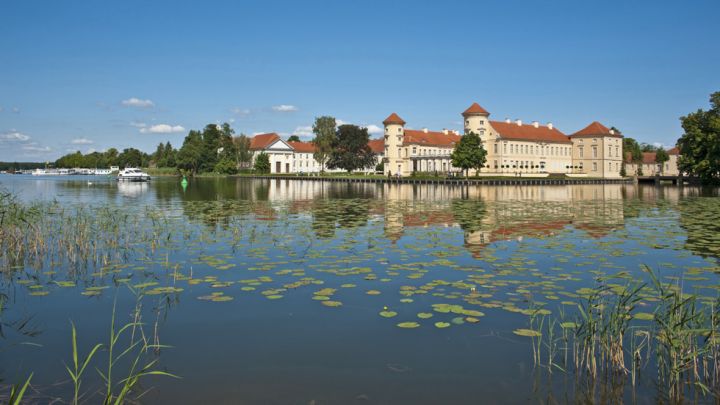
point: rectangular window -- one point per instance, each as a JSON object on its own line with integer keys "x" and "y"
{"x": 594, "y": 151}
{"x": 495, "y": 149}
{"x": 594, "y": 166}
{"x": 504, "y": 148}
{"x": 580, "y": 151}
{"x": 609, "y": 151}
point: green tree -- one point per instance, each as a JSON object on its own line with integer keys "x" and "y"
{"x": 700, "y": 144}
{"x": 350, "y": 150}
{"x": 191, "y": 153}
{"x": 226, "y": 165}
{"x": 242, "y": 145}
{"x": 170, "y": 154}
{"x": 262, "y": 163}
{"x": 468, "y": 153}
{"x": 632, "y": 146}
{"x": 661, "y": 156}
{"x": 293, "y": 138}
{"x": 131, "y": 157}
{"x": 159, "y": 156}
{"x": 324, "y": 130}
{"x": 646, "y": 147}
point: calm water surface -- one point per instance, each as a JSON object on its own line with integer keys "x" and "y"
{"x": 270, "y": 246}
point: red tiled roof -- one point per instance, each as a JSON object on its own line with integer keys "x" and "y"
{"x": 430, "y": 138}
{"x": 475, "y": 109}
{"x": 302, "y": 147}
{"x": 596, "y": 129}
{"x": 377, "y": 145}
{"x": 394, "y": 119}
{"x": 262, "y": 141}
{"x": 648, "y": 157}
{"x": 529, "y": 132}
{"x": 674, "y": 151}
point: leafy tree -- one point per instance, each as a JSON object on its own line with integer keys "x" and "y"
{"x": 468, "y": 153}
{"x": 159, "y": 156}
{"x": 131, "y": 157}
{"x": 700, "y": 144}
{"x": 324, "y": 130}
{"x": 661, "y": 156}
{"x": 623, "y": 173}
{"x": 350, "y": 150}
{"x": 242, "y": 146}
{"x": 191, "y": 153}
{"x": 226, "y": 165}
{"x": 169, "y": 157}
{"x": 646, "y": 147}
{"x": 632, "y": 146}
{"x": 262, "y": 163}
{"x": 293, "y": 138}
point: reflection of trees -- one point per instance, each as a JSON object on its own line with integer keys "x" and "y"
{"x": 469, "y": 214}
{"x": 700, "y": 218}
{"x": 327, "y": 214}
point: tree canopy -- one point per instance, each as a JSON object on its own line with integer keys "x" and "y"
{"x": 350, "y": 150}
{"x": 632, "y": 146}
{"x": 293, "y": 138}
{"x": 324, "y": 130}
{"x": 262, "y": 163}
{"x": 468, "y": 153}
{"x": 700, "y": 144}
{"x": 661, "y": 156}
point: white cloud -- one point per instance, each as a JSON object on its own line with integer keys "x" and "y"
{"x": 284, "y": 108}
{"x": 374, "y": 129}
{"x": 14, "y": 136}
{"x": 37, "y": 149}
{"x": 240, "y": 111}
{"x": 82, "y": 141}
{"x": 137, "y": 124}
{"x": 138, "y": 103}
{"x": 162, "y": 129}
{"x": 304, "y": 131}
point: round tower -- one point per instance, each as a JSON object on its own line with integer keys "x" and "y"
{"x": 394, "y": 135}
{"x": 476, "y": 120}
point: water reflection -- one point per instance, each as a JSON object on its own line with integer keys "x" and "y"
{"x": 132, "y": 189}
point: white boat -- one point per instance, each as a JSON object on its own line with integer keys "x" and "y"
{"x": 132, "y": 174}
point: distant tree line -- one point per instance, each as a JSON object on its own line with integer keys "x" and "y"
{"x": 17, "y": 166}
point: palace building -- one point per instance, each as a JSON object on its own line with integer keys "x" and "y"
{"x": 513, "y": 148}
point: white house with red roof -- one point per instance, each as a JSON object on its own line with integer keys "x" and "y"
{"x": 280, "y": 153}
{"x": 297, "y": 157}
{"x": 513, "y": 148}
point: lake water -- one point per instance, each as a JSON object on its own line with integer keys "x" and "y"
{"x": 278, "y": 251}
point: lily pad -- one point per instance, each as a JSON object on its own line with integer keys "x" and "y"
{"x": 527, "y": 332}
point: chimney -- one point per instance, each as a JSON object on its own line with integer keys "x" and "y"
{"x": 519, "y": 122}
{"x": 550, "y": 125}
{"x": 425, "y": 130}
{"x": 507, "y": 120}
{"x": 612, "y": 132}
{"x": 536, "y": 124}
{"x": 445, "y": 131}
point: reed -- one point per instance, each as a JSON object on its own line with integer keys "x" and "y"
{"x": 606, "y": 348}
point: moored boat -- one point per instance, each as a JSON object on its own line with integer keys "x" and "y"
{"x": 132, "y": 174}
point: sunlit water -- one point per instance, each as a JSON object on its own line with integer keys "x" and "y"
{"x": 269, "y": 245}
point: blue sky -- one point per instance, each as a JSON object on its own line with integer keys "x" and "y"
{"x": 89, "y": 75}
